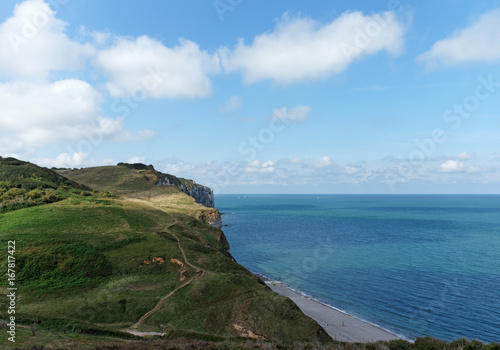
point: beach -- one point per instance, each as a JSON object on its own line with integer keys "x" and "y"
{"x": 339, "y": 325}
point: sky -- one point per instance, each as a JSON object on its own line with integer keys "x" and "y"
{"x": 393, "y": 96}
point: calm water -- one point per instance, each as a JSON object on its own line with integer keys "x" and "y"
{"x": 417, "y": 265}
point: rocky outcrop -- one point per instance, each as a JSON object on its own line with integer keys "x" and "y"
{"x": 212, "y": 218}
{"x": 201, "y": 194}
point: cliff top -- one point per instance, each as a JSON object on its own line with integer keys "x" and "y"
{"x": 141, "y": 261}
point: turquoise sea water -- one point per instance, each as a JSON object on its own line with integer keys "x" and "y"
{"x": 418, "y": 265}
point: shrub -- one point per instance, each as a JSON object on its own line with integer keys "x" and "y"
{"x": 50, "y": 197}
{"x": 13, "y": 193}
{"x": 474, "y": 345}
{"x": 35, "y": 194}
{"x": 429, "y": 343}
{"x": 399, "y": 344}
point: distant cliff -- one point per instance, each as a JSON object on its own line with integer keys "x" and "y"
{"x": 201, "y": 194}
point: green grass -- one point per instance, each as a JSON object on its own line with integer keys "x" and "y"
{"x": 24, "y": 185}
{"x": 90, "y": 264}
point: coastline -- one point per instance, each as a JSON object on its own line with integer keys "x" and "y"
{"x": 339, "y": 325}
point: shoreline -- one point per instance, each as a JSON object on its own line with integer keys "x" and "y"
{"x": 339, "y": 325}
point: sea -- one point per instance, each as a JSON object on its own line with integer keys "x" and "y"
{"x": 417, "y": 265}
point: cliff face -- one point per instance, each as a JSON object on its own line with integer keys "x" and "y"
{"x": 201, "y": 194}
{"x": 212, "y": 218}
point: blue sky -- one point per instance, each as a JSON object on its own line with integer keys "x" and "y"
{"x": 259, "y": 97}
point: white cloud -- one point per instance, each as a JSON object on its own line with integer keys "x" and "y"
{"x": 231, "y": 105}
{"x": 146, "y": 68}
{"x": 179, "y": 168}
{"x": 99, "y": 38}
{"x": 137, "y": 159}
{"x": 318, "y": 163}
{"x": 352, "y": 170}
{"x": 65, "y": 160}
{"x": 451, "y": 166}
{"x": 299, "y": 113}
{"x": 466, "y": 155}
{"x": 33, "y": 43}
{"x": 322, "y": 162}
{"x": 74, "y": 160}
{"x": 257, "y": 167}
{"x": 37, "y": 114}
{"x": 301, "y": 49}
{"x": 475, "y": 43}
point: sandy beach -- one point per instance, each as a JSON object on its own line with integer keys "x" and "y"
{"x": 339, "y": 325}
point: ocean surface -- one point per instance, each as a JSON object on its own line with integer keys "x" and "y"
{"x": 417, "y": 265}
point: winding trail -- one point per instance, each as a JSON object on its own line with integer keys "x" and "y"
{"x": 199, "y": 273}
{"x": 184, "y": 254}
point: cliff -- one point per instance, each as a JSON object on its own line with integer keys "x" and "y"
{"x": 139, "y": 177}
{"x": 212, "y": 218}
{"x": 139, "y": 260}
{"x": 201, "y": 194}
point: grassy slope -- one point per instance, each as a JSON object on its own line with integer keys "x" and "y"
{"x": 86, "y": 263}
{"x": 23, "y": 184}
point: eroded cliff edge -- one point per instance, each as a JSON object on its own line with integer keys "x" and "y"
{"x": 201, "y": 194}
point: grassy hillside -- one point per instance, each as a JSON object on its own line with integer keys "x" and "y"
{"x": 123, "y": 178}
{"x": 23, "y": 184}
{"x": 138, "y": 262}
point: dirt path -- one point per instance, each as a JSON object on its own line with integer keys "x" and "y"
{"x": 184, "y": 254}
{"x": 162, "y": 300}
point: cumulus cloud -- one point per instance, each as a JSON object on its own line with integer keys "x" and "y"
{"x": 298, "y": 113}
{"x": 466, "y": 155}
{"x": 352, "y": 170}
{"x": 33, "y": 43}
{"x": 137, "y": 159}
{"x": 476, "y": 43}
{"x": 64, "y": 160}
{"x": 99, "y": 38}
{"x": 320, "y": 162}
{"x": 37, "y": 114}
{"x": 451, "y": 166}
{"x": 231, "y": 105}
{"x": 301, "y": 49}
{"x": 257, "y": 167}
{"x": 145, "y": 68}
{"x": 72, "y": 160}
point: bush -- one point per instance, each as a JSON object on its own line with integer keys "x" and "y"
{"x": 474, "y": 345}
{"x": 49, "y": 197}
{"x": 428, "y": 343}
{"x": 399, "y": 344}
{"x": 107, "y": 194}
{"x": 35, "y": 194}
{"x": 13, "y": 193}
